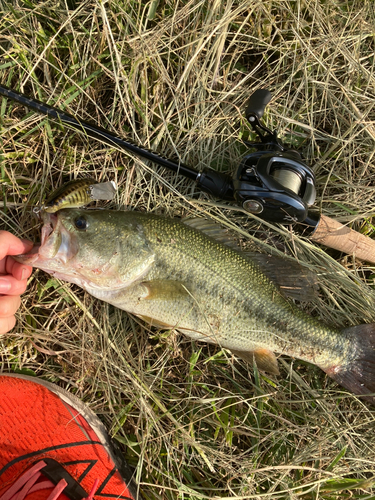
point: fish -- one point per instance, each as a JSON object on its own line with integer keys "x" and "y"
{"x": 78, "y": 193}
{"x": 174, "y": 276}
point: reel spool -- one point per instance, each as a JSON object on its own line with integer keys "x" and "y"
{"x": 288, "y": 178}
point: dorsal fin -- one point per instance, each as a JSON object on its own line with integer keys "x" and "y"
{"x": 293, "y": 280}
{"x": 213, "y": 230}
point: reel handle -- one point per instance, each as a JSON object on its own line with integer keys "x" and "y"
{"x": 333, "y": 234}
{"x": 257, "y": 103}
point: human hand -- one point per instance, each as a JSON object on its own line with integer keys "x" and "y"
{"x": 13, "y": 278}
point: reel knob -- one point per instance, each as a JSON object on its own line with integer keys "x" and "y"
{"x": 257, "y": 104}
{"x": 253, "y": 206}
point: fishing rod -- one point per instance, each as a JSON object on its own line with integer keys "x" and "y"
{"x": 272, "y": 182}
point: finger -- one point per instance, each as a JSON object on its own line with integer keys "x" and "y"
{"x": 18, "y": 270}
{"x": 9, "y": 305}
{"x": 6, "y": 324}
{"x": 11, "y": 245}
{"x": 12, "y": 286}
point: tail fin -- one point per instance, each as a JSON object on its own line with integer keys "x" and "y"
{"x": 358, "y": 375}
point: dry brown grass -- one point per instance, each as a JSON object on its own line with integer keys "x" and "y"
{"x": 175, "y": 77}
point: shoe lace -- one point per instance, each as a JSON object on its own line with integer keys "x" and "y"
{"x": 27, "y": 484}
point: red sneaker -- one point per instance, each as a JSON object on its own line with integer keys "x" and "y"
{"x": 53, "y": 446}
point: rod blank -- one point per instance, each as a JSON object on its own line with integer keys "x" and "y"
{"x": 98, "y": 133}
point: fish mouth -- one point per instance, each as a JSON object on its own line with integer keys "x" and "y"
{"x": 49, "y": 225}
{"x": 56, "y": 244}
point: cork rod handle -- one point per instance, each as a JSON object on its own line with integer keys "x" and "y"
{"x": 333, "y": 234}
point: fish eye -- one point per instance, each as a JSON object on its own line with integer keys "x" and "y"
{"x": 81, "y": 223}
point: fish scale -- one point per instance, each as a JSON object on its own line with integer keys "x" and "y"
{"x": 175, "y": 276}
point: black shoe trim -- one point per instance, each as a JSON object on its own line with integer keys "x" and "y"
{"x": 90, "y": 465}
{"x": 45, "y": 450}
{"x": 55, "y": 472}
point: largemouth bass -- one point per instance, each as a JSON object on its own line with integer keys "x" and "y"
{"x": 175, "y": 276}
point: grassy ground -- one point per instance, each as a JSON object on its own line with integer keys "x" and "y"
{"x": 194, "y": 422}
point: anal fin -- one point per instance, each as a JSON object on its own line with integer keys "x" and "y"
{"x": 264, "y": 358}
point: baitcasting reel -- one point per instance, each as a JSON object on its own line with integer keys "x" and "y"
{"x": 273, "y": 182}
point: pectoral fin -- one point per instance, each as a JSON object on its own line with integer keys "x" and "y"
{"x": 161, "y": 303}
{"x": 265, "y": 359}
{"x": 165, "y": 290}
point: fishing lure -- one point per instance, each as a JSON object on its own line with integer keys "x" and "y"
{"x": 78, "y": 193}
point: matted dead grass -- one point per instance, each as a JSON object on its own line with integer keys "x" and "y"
{"x": 194, "y": 422}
